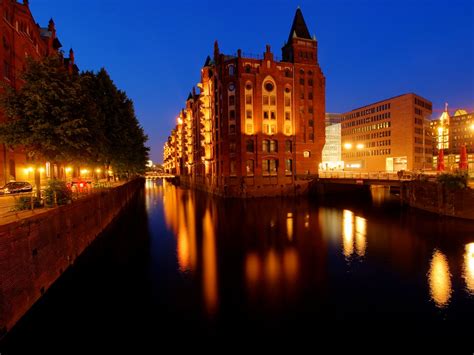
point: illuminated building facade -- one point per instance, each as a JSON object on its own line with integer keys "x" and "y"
{"x": 451, "y": 133}
{"x": 257, "y": 125}
{"x": 389, "y": 135}
{"x": 22, "y": 38}
{"x": 332, "y": 151}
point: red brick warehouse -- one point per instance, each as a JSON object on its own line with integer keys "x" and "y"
{"x": 257, "y": 126}
{"x": 23, "y": 38}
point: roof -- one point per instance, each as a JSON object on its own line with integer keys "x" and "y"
{"x": 299, "y": 28}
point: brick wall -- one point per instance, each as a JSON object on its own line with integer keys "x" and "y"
{"x": 35, "y": 251}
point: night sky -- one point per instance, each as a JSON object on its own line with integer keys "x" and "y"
{"x": 369, "y": 50}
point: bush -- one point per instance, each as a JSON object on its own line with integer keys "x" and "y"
{"x": 454, "y": 181}
{"x": 63, "y": 193}
{"x": 24, "y": 203}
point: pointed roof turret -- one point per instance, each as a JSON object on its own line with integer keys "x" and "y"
{"x": 299, "y": 28}
{"x": 207, "y": 62}
{"x": 190, "y": 97}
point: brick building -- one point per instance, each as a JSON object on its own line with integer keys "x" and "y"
{"x": 257, "y": 125}
{"x": 23, "y": 38}
{"x": 388, "y": 135}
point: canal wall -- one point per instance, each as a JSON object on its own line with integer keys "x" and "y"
{"x": 436, "y": 198}
{"x": 35, "y": 251}
{"x": 249, "y": 187}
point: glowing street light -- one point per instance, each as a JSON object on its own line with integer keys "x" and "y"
{"x": 347, "y": 146}
{"x": 360, "y": 146}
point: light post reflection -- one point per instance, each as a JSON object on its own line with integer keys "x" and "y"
{"x": 347, "y": 233}
{"x": 439, "y": 278}
{"x": 209, "y": 265}
{"x": 361, "y": 233}
{"x": 468, "y": 269}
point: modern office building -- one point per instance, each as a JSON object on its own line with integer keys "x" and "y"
{"x": 332, "y": 151}
{"x": 389, "y": 135}
{"x": 257, "y": 125}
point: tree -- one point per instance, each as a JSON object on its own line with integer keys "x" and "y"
{"x": 47, "y": 116}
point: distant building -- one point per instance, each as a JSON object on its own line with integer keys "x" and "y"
{"x": 451, "y": 133}
{"x": 257, "y": 126}
{"x": 23, "y": 38}
{"x": 388, "y": 135}
{"x": 332, "y": 151}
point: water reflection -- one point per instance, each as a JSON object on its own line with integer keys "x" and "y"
{"x": 274, "y": 252}
{"x": 210, "y": 265}
{"x": 439, "y": 278}
{"x": 468, "y": 270}
{"x": 350, "y": 222}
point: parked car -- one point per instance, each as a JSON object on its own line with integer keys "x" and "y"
{"x": 16, "y": 187}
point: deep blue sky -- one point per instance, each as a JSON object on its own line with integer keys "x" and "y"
{"x": 368, "y": 49}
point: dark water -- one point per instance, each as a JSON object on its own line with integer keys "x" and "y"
{"x": 180, "y": 265}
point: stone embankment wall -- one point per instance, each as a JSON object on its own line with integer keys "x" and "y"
{"x": 436, "y": 198}
{"x": 35, "y": 251}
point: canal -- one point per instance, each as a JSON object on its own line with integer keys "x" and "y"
{"x": 180, "y": 263}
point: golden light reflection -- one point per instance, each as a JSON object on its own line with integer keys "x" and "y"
{"x": 290, "y": 264}
{"x": 439, "y": 279}
{"x": 468, "y": 269}
{"x": 209, "y": 265}
{"x": 272, "y": 268}
{"x": 289, "y": 226}
{"x": 347, "y": 233}
{"x": 252, "y": 269}
{"x": 361, "y": 233}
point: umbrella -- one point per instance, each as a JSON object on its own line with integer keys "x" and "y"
{"x": 441, "y": 160}
{"x": 463, "y": 158}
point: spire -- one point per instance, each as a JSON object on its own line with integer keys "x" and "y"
{"x": 51, "y": 25}
{"x": 71, "y": 56}
{"x": 216, "y": 50}
{"x": 299, "y": 28}
{"x": 207, "y": 62}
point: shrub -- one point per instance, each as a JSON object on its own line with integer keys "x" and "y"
{"x": 24, "y": 203}
{"x": 63, "y": 193}
{"x": 453, "y": 181}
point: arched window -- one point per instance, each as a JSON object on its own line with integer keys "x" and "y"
{"x": 287, "y": 73}
{"x": 265, "y": 145}
{"x": 247, "y": 68}
{"x": 231, "y": 70}
{"x": 288, "y": 146}
{"x": 273, "y": 146}
{"x": 269, "y": 106}
{"x": 250, "y": 146}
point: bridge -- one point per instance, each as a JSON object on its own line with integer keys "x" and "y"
{"x": 151, "y": 175}
{"x": 371, "y": 178}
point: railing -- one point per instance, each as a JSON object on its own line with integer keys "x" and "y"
{"x": 379, "y": 175}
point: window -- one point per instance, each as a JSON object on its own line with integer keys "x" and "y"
{"x": 231, "y": 100}
{"x": 269, "y": 86}
{"x": 232, "y": 147}
{"x": 232, "y": 115}
{"x": 287, "y": 101}
{"x": 311, "y": 136}
{"x": 288, "y": 166}
{"x": 273, "y": 115}
{"x": 250, "y": 146}
{"x": 247, "y": 68}
{"x": 287, "y": 73}
{"x": 310, "y": 82}
{"x": 265, "y": 145}
{"x": 231, "y": 87}
{"x": 311, "y": 123}
{"x": 232, "y": 129}
{"x": 273, "y": 146}
{"x": 269, "y": 167}
{"x": 288, "y": 146}
{"x": 302, "y": 95}
{"x": 232, "y": 167}
{"x": 249, "y": 114}
{"x": 250, "y": 167}
{"x": 231, "y": 70}
{"x": 265, "y": 115}
{"x": 287, "y": 116}
{"x": 301, "y": 81}
{"x": 248, "y": 99}
{"x": 265, "y": 100}
{"x": 7, "y": 70}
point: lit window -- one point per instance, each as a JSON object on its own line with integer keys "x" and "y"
{"x": 250, "y": 167}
